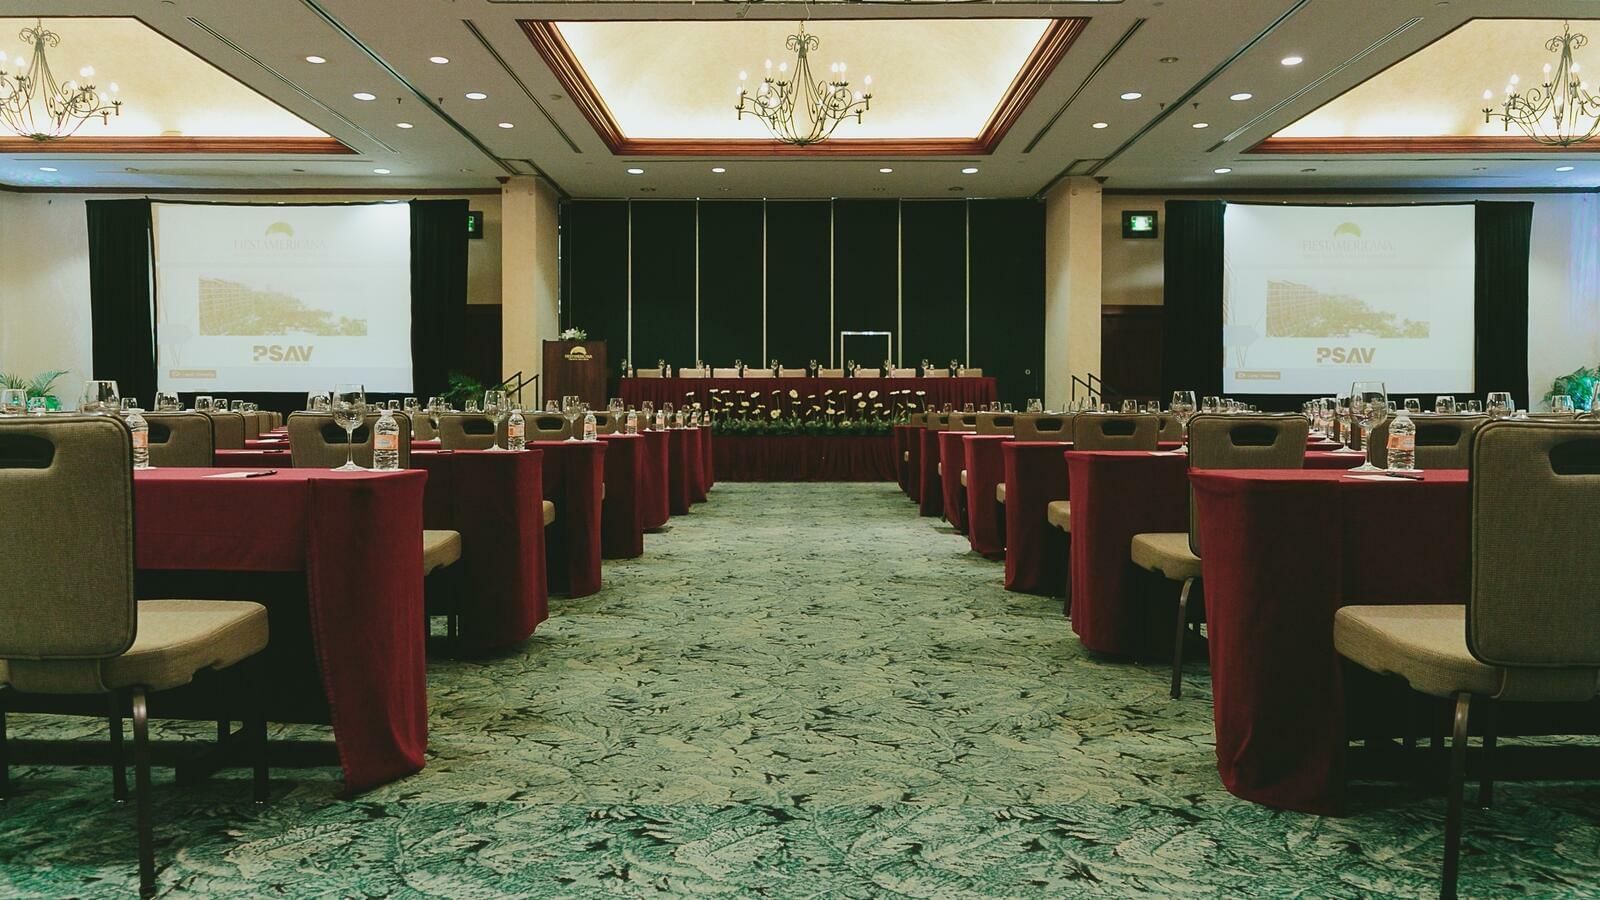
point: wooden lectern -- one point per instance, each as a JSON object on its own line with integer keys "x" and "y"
{"x": 576, "y": 367}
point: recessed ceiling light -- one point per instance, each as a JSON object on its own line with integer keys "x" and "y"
{"x": 1308, "y": 170}
{"x": 438, "y": 60}
{"x": 718, "y": 170}
{"x": 1131, "y": 95}
{"x": 1242, "y": 95}
{"x": 507, "y": 125}
{"x": 47, "y": 168}
{"x": 1169, "y": 59}
{"x": 970, "y": 170}
{"x": 1558, "y": 168}
{"x": 635, "y": 171}
{"x": 477, "y": 95}
{"x": 1222, "y": 171}
{"x": 1100, "y": 125}
{"x": 363, "y": 95}
{"x": 885, "y": 170}
{"x": 403, "y": 125}
{"x": 1201, "y": 125}
{"x": 380, "y": 171}
{"x": 1292, "y": 60}
{"x": 315, "y": 60}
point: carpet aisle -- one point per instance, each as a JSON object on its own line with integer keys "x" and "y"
{"x": 799, "y": 691}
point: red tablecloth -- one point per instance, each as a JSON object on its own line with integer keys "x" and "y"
{"x": 804, "y": 458}
{"x": 622, "y": 514}
{"x": 254, "y": 458}
{"x": 357, "y": 536}
{"x": 930, "y": 491}
{"x": 495, "y": 500}
{"x": 681, "y": 457}
{"x": 696, "y": 458}
{"x": 266, "y": 443}
{"x": 656, "y": 489}
{"x": 1036, "y": 552}
{"x": 952, "y": 457}
{"x": 574, "y": 474}
{"x": 902, "y": 444}
{"x": 1283, "y": 551}
{"x": 937, "y": 391}
{"x": 986, "y": 468}
{"x": 708, "y": 469}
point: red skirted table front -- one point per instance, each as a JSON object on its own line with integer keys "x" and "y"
{"x": 952, "y": 457}
{"x": 1036, "y": 551}
{"x": 1283, "y": 551}
{"x": 682, "y": 460}
{"x": 357, "y": 537}
{"x": 622, "y": 514}
{"x": 708, "y": 478}
{"x": 804, "y": 457}
{"x": 496, "y": 501}
{"x": 902, "y": 446}
{"x": 656, "y": 491}
{"x": 574, "y": 476}
{"x": 930, "y": 490}
{"x": 936, "y": 391}
{"x": 986, "y": 468}
{"x": 697, "y": 464}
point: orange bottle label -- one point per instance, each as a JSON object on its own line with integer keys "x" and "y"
{"x": 1406, "y": 442}
{"x": 386, "y": 442}
{"x": 515, "y": 431}
{"x": 141, "y": 440}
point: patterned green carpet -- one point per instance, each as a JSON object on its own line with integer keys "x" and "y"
{"x": 800, "y": 691}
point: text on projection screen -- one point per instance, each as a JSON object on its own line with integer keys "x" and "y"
{"x": 282, "y": 298}
{"x": 1317, "y": 297}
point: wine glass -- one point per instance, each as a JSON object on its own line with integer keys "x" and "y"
{"x": 349, "y": 406}
{"x": 496, "y": 406}
{"x": 100, "y": 397}
{"x": 614, "y": 406}
{"x": 1444, "y": 404}
{"x": 1130, "y": 407}
{"x": 166, "y": 401}
{"x": 238, "y": 406}
{"x": 13, "y": 401}
{"x": 552, "y": 407}
{"x": 573, "y": 413}
{"x": 1474, "y": 406}
{"x": 1500, "y": 405}
{"x": 202, "y": 403}
{"x": 1413, "y": 406}
{"x": 1562, "y": 404}
{"x": 1183, "y": 406}
{"x": 1369, "y": 403}
{"x": 1035, "y": 405}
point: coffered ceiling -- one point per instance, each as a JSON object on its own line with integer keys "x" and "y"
{"x": 1185, "y": 61}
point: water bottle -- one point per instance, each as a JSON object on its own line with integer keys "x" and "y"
{"x": 661, "y": 420}
{"x": 632, "y": 426}
{"x": 588, "y": 425}
{"x": 141, "y": 438}
{"x": 516, "y": 431}
{"x": 386, "y": 442}
{"x": 1402, "y": 442}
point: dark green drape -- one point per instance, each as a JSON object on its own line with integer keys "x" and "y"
{"x": 121, "y": 328}
{"x": 1504, "y": 240}
{"x": 1192, "y": 294}
{"x": 438, "y": 291}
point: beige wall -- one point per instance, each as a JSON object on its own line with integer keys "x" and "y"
{"x": 1563, "y": 277}
{"x": 44, "y": 274}
{"x": 1073, "y": 258}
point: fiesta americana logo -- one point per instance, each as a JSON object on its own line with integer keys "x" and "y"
{"x": 1346, "y": 240}
{"x": 277, "y": 237}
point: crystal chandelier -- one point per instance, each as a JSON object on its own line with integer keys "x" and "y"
{"x": 34, "y": 105}
{"x": 1559, "y": 112}
{"x": 796, "y": 109}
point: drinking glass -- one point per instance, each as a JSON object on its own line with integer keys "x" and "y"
{"x": 394, "y": 405}
{"x": 648, "y": 408}
{"x": 1413, "y": 405}
{"x": 1035, "y": 405}
{"x": 968, "y": 407}
{"x": 1183, "y": 406}
{"x": 1474, "y": 406}
{"x": 316, "y": 401}
{"x": 496, "y": 406}
{"x": 436, "y": 408}
{"x": 1500, "y": 405}
{"x": 949, "y": 408}
{"x": 1561, "y": 403}
{"x": 997, "y": 406}
{"x": 472, "y": 407}
{"x": 1444, "y": 405}
{"x": 349, "y": 406}
{"x": 1345, "y": 417}
{"x": 100, "y": 397}
{"x": 1130, "y": 407}
{"x": 37, "y": 406}
{"x": 1152, "y": 406}
{"x": 203, "y": 403}
{"x": 1369, "y": 403}
{"x": 13, "y": 401}
{"x": 238, "y": 406}
{"x": 573, "y": 413}
{"x": 550, "y": 406}
{"x": 166, "y": 401}
{"x": 129, "y": 404}
{"x": 614, "y": 405}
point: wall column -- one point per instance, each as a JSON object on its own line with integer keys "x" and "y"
{"x": 1072, "y": 235}
{"x": 529, "y": 275}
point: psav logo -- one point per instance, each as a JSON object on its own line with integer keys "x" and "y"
{"x": 1349, "y": 229}
{"x": 279, "y": 353}
{"x": 283, "y": 228}
{"x": 1346, "y": 356}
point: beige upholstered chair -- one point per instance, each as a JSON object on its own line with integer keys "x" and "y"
{"x": 791, "y": 373}
{"x": 1443, "y": 442}
{"x": 67, "y": 487}
{"x": 694, "y": 373}
{"x": 647, "y": 373}
{"x": 252, "y": 426}
{"x": 902, "y": 373}
{"x": 1114, "y": 431}
{"x": 551, "y": 427}
{"x": 227, "y": 430}
{"x": 604, "y": 423}
{"x": 1527, "y": 633}
{"x": 1216, "y": 442}
{"x": 263, "y": 422}
{"x": 422, "y": 427}
{"x": 1043, "y": 427}
{"x": 728, "y": 372}
{"x": 180, "y": 439}
{"x": 936, "y": 373}
{"x": 316, "y": 441}
{"x": 963, "y": 422}
{"x": 971, "y": 373}
{"x": 830, "y": 373}
{"x": 474, "y": 431}
{"x": 997, "y": 423}
{"x": 1171, "y": 429}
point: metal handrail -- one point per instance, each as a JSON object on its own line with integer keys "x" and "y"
{"x": 514, "y": 383}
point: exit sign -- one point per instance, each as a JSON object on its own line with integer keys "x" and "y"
{"x": 474, "y": 223}
{"x": 1139, "y": 223}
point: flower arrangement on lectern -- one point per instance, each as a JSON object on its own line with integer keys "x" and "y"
{"x": 777, "y": 413}
{"x": 574, "y": 334}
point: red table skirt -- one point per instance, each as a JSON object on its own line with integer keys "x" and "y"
{"x": 985, "y": 468}
{"x": 708, "y": 467}
{"x": 902, "y": 441}
{"x": 952, "y": 457}
{"x": 574, "y": 476}
{"x": 1036, "y": 551}
{"x": 935, "y": 391}
{"x": 656, "y": 490}
{"x": 496, "y": 501}
{"x": 622, "y": 514}
{"x": 805, "y": 458}
{"x": 696, "y": 459}
{"x": 682, "y": 457}
{"x": 930, "y": 490}
{"x": 357, "y": 536}
{"x": 914, "y": 465}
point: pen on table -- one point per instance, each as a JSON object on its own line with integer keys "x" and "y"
{"x": 260, "y": 473}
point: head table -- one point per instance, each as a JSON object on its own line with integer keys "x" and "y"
{"x": 936, "y": 391}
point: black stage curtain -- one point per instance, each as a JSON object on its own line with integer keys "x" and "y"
{"x": 438, "y": 291}
{"x": 663, "y": 282}
{"x": 1504, "y": 237}
{"x": 122, "y": 330}
{"x": 1191, "y": 358}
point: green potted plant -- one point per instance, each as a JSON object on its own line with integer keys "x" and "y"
{"x": 41, "y": 385}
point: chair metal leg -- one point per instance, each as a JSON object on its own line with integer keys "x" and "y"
{"x": 5, "y": 760}
{"x": 256, "y": 726}
{"x": 119, "y": 769}
{"x": 1486, "y": 777}
{"x": 224, "y": 726}
{"x": 1458, "y": 778}
{"x": 141, "y": 775}
{"x": 1178, "y": 636}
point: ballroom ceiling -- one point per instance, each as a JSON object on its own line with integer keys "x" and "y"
{"x": 1184, "y": 60}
